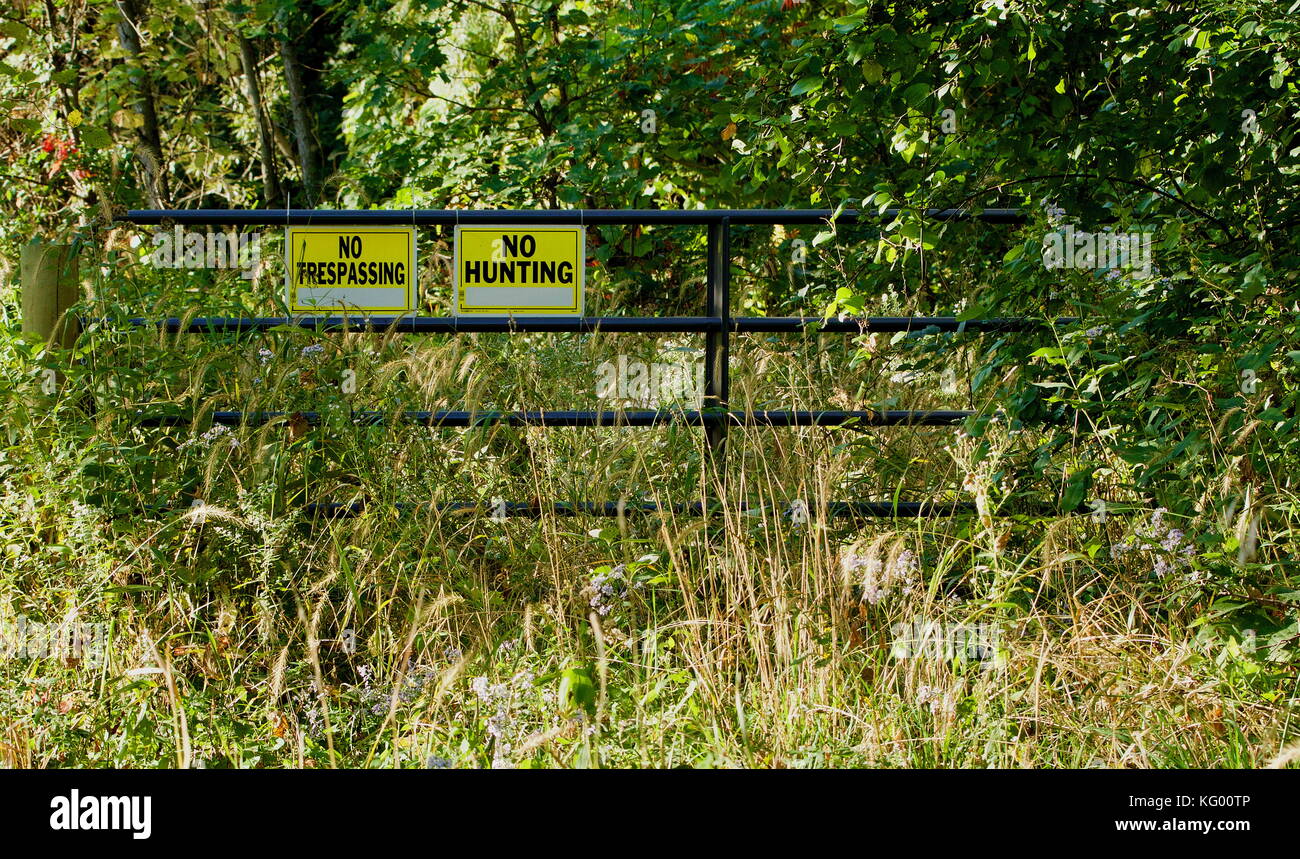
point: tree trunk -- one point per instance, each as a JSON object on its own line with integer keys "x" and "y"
{"x": 300, "y": 108}
{"x": 149, "y": 142}
{"x": 270, "y": 177}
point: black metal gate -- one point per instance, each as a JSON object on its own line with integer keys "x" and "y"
{"x": 717, "y": 326}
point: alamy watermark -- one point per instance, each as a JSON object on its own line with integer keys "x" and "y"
{"x": 196, "y": 250}
{"x": 133, "y": 814}
{"x": 948, "y": 642}
{"x": 23, "y": 638}
{"x": 1071, "y": 248}
{"x": 677, "y": 378}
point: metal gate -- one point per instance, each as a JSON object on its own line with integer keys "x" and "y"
{"x": 717, "y": 325}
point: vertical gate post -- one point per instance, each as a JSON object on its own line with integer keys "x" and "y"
{"x": 717, "y": 344}
{"x": 49, "y": 277}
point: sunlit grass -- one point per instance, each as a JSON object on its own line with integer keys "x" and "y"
{"x": 251, "y": 632}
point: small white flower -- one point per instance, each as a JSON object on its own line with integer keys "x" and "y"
{"x": 608, "y": 589}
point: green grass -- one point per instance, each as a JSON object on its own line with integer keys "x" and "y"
{"x": 246, "y": 634}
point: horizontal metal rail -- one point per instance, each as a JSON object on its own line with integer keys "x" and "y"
{"x": 452, "y": 217}
{"x": 592, "y": 324}
{"x": 533, "y": 510}
{"x": 639, "y": 418}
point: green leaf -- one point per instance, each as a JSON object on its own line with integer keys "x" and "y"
{"x": 811, "y": 83}
{"x": 95, "y": 138}
{"x": 916, "y": 94}
{"x": 577, "y": 690}
{"x": 1076, "y": 488}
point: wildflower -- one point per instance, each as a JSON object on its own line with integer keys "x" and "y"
{"x": 879, "y": 578}
{"x": 499, "y": 723}
{"x": 1172, "y": 540}
{"x": 873, "y": 593}
{"x": 452, "y": 653}
{"x": 415, "y": 683}
{"x": 931, "y": 696}
{"x": 436, "y": 763}
{"x": 1175, "y": 548}
{"x": 207, "y": 439}
{"x": 315, "y": 721}
{"x": 607, "y": 589}
{"x": 315, "y": 350}
{"x": 853, "y": 562}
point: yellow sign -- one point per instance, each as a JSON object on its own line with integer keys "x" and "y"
{"x": 520, "y": 271}
{"x": 350, "y": 268}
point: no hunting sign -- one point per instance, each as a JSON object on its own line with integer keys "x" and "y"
{"x": 520, "y": 271}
